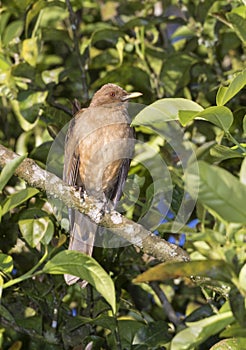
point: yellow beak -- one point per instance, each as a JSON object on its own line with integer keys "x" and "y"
{"x": 131, "y": 95}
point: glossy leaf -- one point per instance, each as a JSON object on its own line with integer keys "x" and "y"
{"x": 9, "y": 169}
{"x": 156, "y": 333}
{"x": 6, "y": 313}
{"x": 217, "y": 188}
{"x": 244, "y": 124}
{"x": 215, "y": 269}
{"x": 220, "y": 152}
{"x": 85, "y": 267}
{"x": 101, "y": 321}
{"x": 128, "y": 74}
{"x": 225, "y": 94}
{"x": 51, "y": 76}
{"x": 186, "y": 116}
{"x": 219, "y": 116}
{"x": 229, "y": 344}
{"x": 242, "y": 277}
{"x": 237, "y": 304}
{"x": 107, "y": 34}
{"x": 175, "y": 73}
{"x": 127, "y": 330}
{"x": 238, "y": 23}
{"x": 29, "y": 51}
{"x": 12, "y": 31}
{"x": 26, "y": 126}
{"x": 34, "y": 11}
{"x": 235, "y": 330}
{"x": 243, "y": 172}
{"x": 36, "y": 230}
{"x": 18, "y": 198}
{"x": 6, "y": 263}
{"x": 164, "y": 110}
{"x": 4, "y": 64}
{"x": 198, "y": 332}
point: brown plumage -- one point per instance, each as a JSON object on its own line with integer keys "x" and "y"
{"x": 98, "y": 149}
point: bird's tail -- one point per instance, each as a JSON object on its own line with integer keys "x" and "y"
{"x": 82, "y": 238}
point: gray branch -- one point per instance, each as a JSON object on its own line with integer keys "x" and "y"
{"x": 135, "y": 233}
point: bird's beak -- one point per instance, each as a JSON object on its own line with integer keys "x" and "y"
{"x": 131, "y": 95}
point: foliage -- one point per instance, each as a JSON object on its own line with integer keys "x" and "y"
{"x": 187, "y": 58}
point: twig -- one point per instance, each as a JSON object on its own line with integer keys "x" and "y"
{"x": 30, "y": 332}
{"x": 134, "y": 233}
{"x": 81, "y": 58}
{"x": 60, "y": 107}
{"x": 167, "y": 307}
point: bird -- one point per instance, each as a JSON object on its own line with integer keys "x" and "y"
{"x": 98, "y": 150}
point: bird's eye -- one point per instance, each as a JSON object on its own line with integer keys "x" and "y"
{"x": 112, "y": 94}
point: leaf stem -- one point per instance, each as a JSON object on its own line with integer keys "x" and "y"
{"x": 232, "y": 139}
{"x": 29, "y": 273}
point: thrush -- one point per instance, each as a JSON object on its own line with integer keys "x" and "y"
{"x": 98, "y": 151}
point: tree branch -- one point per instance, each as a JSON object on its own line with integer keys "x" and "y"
{"x": 167, "y": 307}
{"x": 136, "y": 234}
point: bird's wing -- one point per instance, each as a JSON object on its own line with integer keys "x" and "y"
{"x": 82, "y": 230}
{"x": 71, "y": 156}
{"x": 118, "y": 189}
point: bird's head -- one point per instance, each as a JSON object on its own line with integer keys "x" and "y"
{"x": 111, "y": 94}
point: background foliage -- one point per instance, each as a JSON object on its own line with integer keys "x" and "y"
{"x": 54, "y": 51}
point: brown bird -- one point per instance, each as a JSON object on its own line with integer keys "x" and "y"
{"x": 98, "y": 150}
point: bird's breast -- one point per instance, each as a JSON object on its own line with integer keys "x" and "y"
{"x": 102, "y": 148}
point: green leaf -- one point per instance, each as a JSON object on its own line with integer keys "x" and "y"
{"x": 220, "y": 152}
{"x": 36, "y": 9}
{"x": 229, "y": 344}
{"x": 25, "y": 125}
{"x": 4, "y": 65}
{"x": 237, "y": 304}
{"x": 244, "y": 124}
{"x": 102, "y": 320}
{"x": 18, "y": 198}
{"x": 220, "y": 116}
{"x": 1, "y": 287}
{"x": 52, "y": 76}
{"x": 242, "y": 277}
{"x": 4, "y": 20}
{"x": 198, "y": 332}
{"x": 153, "y": 334}
{"x": 127, "y": 331}
{"x": 32, "y": 323}
{"x": 243, "y": 172}
{"x": 128, "y": 74}
{"x": 225, "y": 94}
{"x": 29, "y": 51}
{"x": 6, "y": 263}
{"x": 235, "y": 330}
{"x": 238, "y": 23}
{"x": 186, "y": 116}
{"x": 33, "y": 12}
{"x": 56, "y": 35}
{"x": 36, "y": 230}
{"x": 9, "y": 169}
{"x": 164, "y": 110}
{"x": 220, "y": 192}
{"x": 216, "y": 269}
{"x": 108, "y": 34}
{"x": 85, "y": 267}
{"x": 175, "y": 72}
{"x": 12, "y": 31}
{"x": 4, "y": 312}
